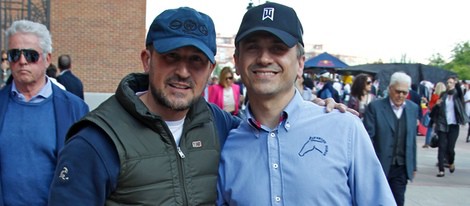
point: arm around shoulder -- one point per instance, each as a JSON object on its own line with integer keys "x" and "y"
{"x": 87, "y": 170}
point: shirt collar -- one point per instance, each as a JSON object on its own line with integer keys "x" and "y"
{"x": 399, "y": 107}
{"x": 44, "y": 93}
{"x": 288, "y": 113}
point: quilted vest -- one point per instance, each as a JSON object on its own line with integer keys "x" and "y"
{"x": 154, "y": 171}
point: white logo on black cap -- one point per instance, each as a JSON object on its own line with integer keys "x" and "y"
{"x": 268, "y": 13}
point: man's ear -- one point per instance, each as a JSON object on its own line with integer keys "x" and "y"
{"x": 145, "y": 56}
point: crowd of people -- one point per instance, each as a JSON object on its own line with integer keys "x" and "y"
{"x": 177, "y": 134}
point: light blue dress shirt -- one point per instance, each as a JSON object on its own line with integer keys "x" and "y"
{"x": 311, "y": 158}
{"x": 42, "y": 95}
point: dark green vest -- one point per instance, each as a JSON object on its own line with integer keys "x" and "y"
{"x": 152, "y": 171}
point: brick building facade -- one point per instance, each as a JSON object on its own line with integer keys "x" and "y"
{"x": 103, "y": 37}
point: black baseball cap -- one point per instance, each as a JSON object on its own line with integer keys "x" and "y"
{"x": 280, "y": 20}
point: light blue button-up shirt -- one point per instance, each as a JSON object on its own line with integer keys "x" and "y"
{"x": 311, "y": 158}
{"x": 43, "y": 94}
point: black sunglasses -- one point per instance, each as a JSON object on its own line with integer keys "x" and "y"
{"x": 31, "y": 55}
{"x": 4, "y": 59}
{"x": 229, "y": 78}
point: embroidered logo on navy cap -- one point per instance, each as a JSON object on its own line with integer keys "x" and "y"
{"x": 268, "y": 13}
{"x": 314, "y": 144}
{"x": 189, "y": 27}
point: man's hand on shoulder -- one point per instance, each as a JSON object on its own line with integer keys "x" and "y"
{"x": 330, "y": 104}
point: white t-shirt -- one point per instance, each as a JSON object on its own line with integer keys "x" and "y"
{"x": 467, "y": 102}
{"x": 176, "y": 128}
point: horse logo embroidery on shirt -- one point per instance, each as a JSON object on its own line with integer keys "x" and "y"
{"x": 314, "y": 143}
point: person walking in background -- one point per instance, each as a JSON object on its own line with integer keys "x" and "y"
{"x": 439, "y": 89}
{"x": 447, "y": 114}
{"x": 281, "y": 152}
{"x": 226, "y": 94}
{"x": 307, "y": 93}
{"x": 327, "y": 90}
{"x": 415, "y": 97}
{"x": 51, "y": 72}
{"x": 71, "y": 82}
{"x": 467, "y": 109}
{"x": 6, "y": 71}
{"x": 361, "y": 94}
{"x": 391, "y": 124}
{"x": 36, "y": 115}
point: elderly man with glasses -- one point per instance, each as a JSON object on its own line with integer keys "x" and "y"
{"x": 36, "y": 115}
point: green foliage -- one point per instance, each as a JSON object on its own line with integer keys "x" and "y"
{"x": 437, "y": 60}
{"x": 460, "y": 62}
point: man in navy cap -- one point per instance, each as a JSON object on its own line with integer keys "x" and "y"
{"x": 288, "y": 151}
{"x": 156, "y": 141}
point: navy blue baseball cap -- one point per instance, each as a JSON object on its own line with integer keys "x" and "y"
{"x": 184, "y": 26}
{"x": 280, "y": 20}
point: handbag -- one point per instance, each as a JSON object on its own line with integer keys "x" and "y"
{"x": 434, "y": 141}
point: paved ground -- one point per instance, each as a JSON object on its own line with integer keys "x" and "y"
{"x": 453, "y": 189}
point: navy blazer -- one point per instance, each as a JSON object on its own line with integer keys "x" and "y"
{"x": 68, "y": 109}
{"x": 71, "y": 83}
{"x": 379, "y": 121}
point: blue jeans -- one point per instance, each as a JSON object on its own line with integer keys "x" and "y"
{"x": 428, "y": 135}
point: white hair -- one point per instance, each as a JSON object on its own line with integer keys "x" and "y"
{"x": 400, "y": 77}
{"x": 40, "y": 30}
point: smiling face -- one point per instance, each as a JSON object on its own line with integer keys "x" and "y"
{"x": 267, "y": 66}
{"x": 177, "y": 78}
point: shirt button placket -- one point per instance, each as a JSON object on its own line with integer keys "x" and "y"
{"x": 276, "y": 182}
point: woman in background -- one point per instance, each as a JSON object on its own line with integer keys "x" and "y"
{"x": 226, "y": 94}
{"x": 438, "y": 90}
{"x": 361, "y": 94}
{"x": 447, "y": 115}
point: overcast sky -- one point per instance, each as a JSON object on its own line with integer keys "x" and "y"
{"x": 371, "y": 29}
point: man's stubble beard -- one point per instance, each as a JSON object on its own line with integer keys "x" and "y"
{"x": 160, "y": 97}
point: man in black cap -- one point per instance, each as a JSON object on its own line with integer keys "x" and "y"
{"x": 288, "y": 151}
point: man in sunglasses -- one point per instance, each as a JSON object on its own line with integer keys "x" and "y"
{"x": 36, "y": 115}
{"x": 391, "y": 124}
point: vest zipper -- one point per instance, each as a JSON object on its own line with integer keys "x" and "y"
{"x": 180, "y": 152}
{"x": 181, "y": 174}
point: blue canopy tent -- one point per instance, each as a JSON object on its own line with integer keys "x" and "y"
{"x": 324, "y": 61}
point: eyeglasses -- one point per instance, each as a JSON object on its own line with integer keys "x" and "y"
{"x": 401, "y": 92}
{"x": 4, "y": 59}
{"x": 229, "y": 78}
{"x": 369, "y": 82}
{"x": 31, "y": 55}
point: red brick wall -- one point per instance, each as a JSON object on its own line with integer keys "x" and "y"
{"x": 103, "y": 37}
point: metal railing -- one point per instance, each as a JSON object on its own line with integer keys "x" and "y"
{"x": 12, "y": 10}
